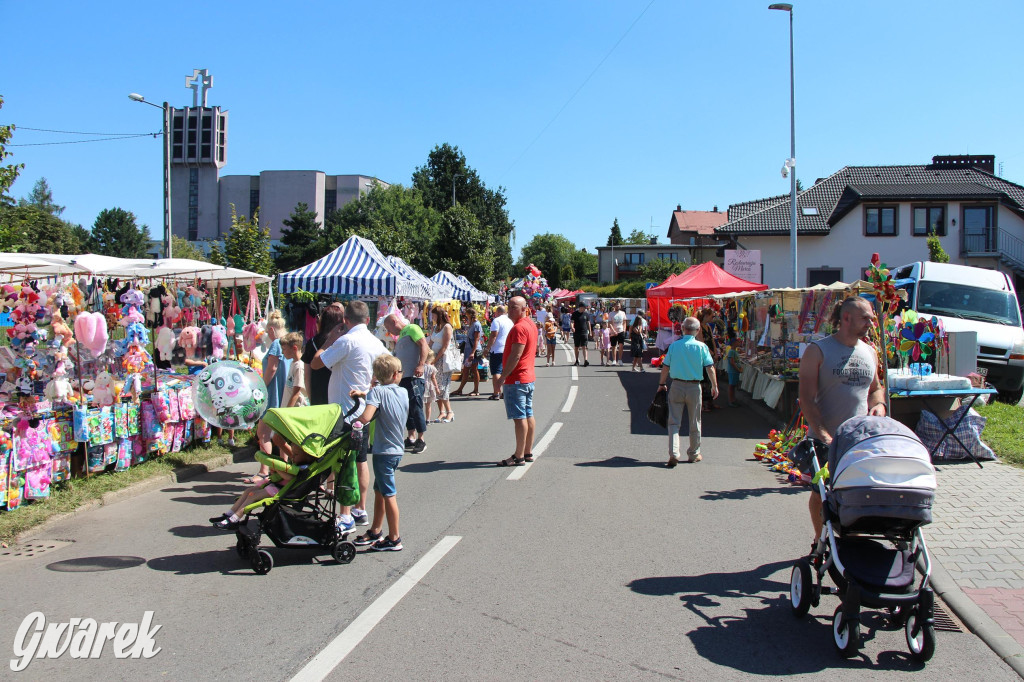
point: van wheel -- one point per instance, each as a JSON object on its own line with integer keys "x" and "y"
{"x": 1012, "y": 397}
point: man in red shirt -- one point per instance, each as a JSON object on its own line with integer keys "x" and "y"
{"x": 518, "y": 361}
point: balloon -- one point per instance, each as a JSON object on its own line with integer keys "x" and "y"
{"x": 229, "y": 395}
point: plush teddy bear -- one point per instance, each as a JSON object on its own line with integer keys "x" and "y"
{"x": 171, "y": 312}
{"x": 61, "y": 331}
{"x": 165, "y": 343}
{"x": 103, "y": 389}
{"x": 58, "y": 390}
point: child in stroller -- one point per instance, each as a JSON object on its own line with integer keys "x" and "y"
{"x": 302, "y": 512}
{"x": 877, "y": 486}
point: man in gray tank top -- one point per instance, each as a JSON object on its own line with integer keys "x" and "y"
{"x": 839, "y": 380}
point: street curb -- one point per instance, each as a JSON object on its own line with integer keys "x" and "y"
{"x": 180, "y": 474}
{"x": 977, "y": 621}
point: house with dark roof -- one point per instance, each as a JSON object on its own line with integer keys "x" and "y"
{"x": 890, "y": 210}
{"x": 696, "y": 230}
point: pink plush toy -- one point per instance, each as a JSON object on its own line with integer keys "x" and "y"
{"x": 220, "y": 341}
{"x": 91, "y": 331}
{"x": 172, "y": 313}
{"x": 188, "y": 339}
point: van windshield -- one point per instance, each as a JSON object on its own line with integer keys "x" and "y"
{"x": 969, "y": 303}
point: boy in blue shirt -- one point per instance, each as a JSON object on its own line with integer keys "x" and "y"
{"x": 389, "y": 402}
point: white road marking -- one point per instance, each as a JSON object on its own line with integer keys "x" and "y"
{"x": 568, "y": 352}
{"x": 349, "y": 638}
{"x": 571, "y": 399}
{"x": 575, "y": 374}
{"x": 538, "y": 450}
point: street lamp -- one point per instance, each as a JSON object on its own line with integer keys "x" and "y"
{"x": 457, "y": 175}
{"x": 136, "y": 97}
{"x": 791, "y": 162}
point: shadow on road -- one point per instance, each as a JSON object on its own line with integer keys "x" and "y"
{"x": 746, "y": 493}
{"x": 744, "y": 641}
{"x": 619, "y": 462}
{"x": 227, "y": 561}
{"x": 640, "y": 388}
{"x": 95, "y": 564}
{"x": 221, "y": 500}
{"x": 439, "y": 465}
{"x": 195, "y": 531}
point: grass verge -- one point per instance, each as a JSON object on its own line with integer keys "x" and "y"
{"x": 67, "y": 497}
{"x": 1004, "y": 431}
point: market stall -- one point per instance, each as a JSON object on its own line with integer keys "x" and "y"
{"x": 92, "y": 379}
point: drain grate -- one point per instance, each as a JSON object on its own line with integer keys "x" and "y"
{"x": 30, "y": 550}
{"x": 945, "y": 621}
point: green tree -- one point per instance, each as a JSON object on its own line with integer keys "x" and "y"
{"x": 246, "y": 246}
{"x": 584, "y": 264}
{"x": 86, "y": 243}
{"x": 640, "y": 237}
{"x": 445, "y": 174}
{"x": 395, "y": 219}
{"x": 116, "y": 234}
{"x": 30, "y": 230}
{"x": 551, "y": 253}
{"x": 464, "y": 247}
{"x": 936, "y": 253}
{"x": 615, "y": 238}
{"x": 659, "y": 269}
{"x": 302, "y": 239}
{"x": 9, "y": 172}
{"x": 42, "y": 198}
{"x": 183, "y": 248}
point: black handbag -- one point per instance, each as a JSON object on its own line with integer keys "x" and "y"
{"x": 657, "y": 413}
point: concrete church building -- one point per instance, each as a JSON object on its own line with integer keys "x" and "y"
{"x": 201, "y": 197}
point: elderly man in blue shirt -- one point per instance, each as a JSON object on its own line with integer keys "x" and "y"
{"x": 685, "y": 361}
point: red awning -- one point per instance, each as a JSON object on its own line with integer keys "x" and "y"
{"x": 696, "y": 281}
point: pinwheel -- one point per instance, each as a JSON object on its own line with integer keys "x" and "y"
{"x": 916, "y": 340}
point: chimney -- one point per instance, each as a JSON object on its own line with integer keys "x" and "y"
{"x": 715, "y": 209}
{"x": 654, "y": 241}
{"x": 983, "y": 162}
{"x": 679, "y": 207}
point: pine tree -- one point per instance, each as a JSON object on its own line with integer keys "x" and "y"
{"x": 42, "y": 198}
{"x": 247, "y": 245}
{"x": 615, "y": 238}
{"x": 116, "y": 234}
{"x": 300, "y": 239}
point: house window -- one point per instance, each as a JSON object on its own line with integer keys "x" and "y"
{"x": 929, "y": 220}
{"x": 330, "y": 201}
{"x": 254, "y": 202}
{"x": 824, "y": 275}
{"x": 670, "y": 257}
{"x": 634, "y": 259}
{"x": 193, "y": 223}
{"x": 979, "y": 224}
{"x": 880, "y": 221}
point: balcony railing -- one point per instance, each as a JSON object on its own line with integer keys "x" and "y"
{"x": 984, "y": 240}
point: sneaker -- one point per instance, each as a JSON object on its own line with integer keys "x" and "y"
{"x": 360, "y": 518}
{"x": 386, "y": 544}
{"x": 345, "y": 526}
{"x": 586, "y": 363}
{"x": 576, "y": 364}
{"x": 216, "y": 519}
{"x": 419, "y": 446}
{"x": 367, "y": 538}
{"x": 226, "y": 524}
{"x": 409, "y": 442}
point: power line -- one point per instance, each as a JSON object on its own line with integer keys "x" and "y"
{"x": 69, "y": 132}
{"x": 100, "y": 139}
{"x": 582, "y": 85}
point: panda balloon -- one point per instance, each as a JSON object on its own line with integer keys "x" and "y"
{"x": 229, "y": 395}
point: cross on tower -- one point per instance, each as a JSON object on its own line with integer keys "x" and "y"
{"x": 199, "y": 82}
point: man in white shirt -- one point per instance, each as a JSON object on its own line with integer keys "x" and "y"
{"x": 617, "y": 323}
{"x": 500, "y": 327}
{"x": 349, "y": 353}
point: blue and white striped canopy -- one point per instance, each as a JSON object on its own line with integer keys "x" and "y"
{"x": 439, "y": 291}
{"x": 356, "y": 268}
{"x": 461, "y": 291}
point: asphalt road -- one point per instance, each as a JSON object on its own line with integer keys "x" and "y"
{"x": 597, "y": 563}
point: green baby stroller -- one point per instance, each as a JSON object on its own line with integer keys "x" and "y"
{"x": 303, "y": 514}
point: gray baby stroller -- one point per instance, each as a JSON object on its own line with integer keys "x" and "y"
{"x": 878, "y": 494}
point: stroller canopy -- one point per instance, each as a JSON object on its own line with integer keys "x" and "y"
{"x": 315, "y": 428}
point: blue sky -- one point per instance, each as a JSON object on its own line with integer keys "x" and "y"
{"x": 691, "y": 108}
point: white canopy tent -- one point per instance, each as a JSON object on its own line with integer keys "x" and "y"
{"x": 49, "y": 265}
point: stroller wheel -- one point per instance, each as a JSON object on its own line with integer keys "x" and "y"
{"x": 920, "y": 636}
{"x": 343, "y": 552}
{"x": 845, "y": 634}
{"x": 262, "y": 562}
{"x": 801, "y": 585}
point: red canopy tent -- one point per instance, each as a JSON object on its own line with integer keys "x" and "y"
{"x": 696, "y": 281}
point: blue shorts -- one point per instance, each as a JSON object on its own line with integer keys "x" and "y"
{"x": 496, "y": 359}
{"x": 384, "y": 474}
{"x": 734, "y": 378}
{"x": 518, "y": 400}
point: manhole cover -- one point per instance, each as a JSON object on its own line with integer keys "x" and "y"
{"x": 29, "y": 550}
{"x": 945, "y": 621}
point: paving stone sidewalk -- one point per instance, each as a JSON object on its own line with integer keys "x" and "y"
{"x": 978, "y": 537}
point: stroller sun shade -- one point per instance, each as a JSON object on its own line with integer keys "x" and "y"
{"x": 315, "y": 428}
{"x": 881, "y": 472}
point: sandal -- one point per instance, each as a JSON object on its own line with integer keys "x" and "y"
{"x": 494, "y": 396}
{"x": 512, "y": 461}
{"x": 474, "y": 394}
{"x": 255, "y": 479}
{"x": 456, "y": 393}
{"x": 528, "y": 457}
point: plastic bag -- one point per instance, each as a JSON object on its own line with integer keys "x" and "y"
{"x": 657, "y": 413}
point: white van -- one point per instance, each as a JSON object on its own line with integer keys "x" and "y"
{"x": 977, "y": 300}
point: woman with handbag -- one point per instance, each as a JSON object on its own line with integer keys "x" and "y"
{"x": 473, "y": 354}
{"x": 446, "y": 359}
